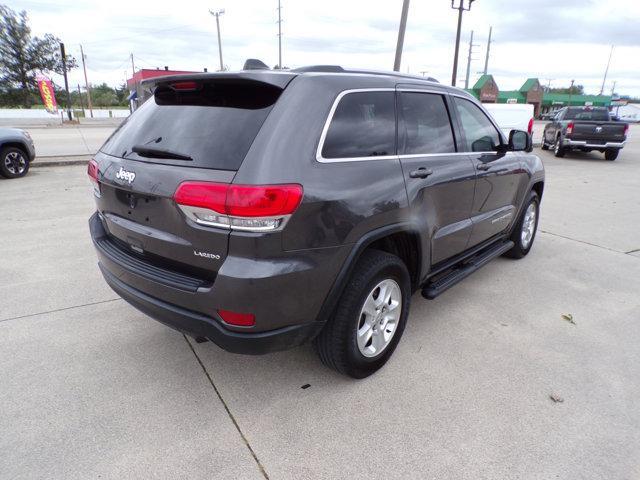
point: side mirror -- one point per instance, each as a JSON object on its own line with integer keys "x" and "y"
{"x": 520, "y": 141}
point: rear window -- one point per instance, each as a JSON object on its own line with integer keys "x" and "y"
{"x": 363, "y": 125}
{"x": 588, "y": 114}
{"x": 211, "y": 123}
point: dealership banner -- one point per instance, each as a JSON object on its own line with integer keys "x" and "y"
{"x": 46, "y": 92}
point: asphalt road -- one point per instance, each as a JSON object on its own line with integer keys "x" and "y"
{"x": 89, "y": 387}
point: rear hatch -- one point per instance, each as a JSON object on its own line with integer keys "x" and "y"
{"x": 192, "y": 128}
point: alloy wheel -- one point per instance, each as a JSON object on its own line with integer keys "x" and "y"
{"x": 15, "y": 163}
{"x": 528, "y": 225}
{"x": 379, "y": 318}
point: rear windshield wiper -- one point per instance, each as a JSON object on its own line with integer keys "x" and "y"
{"x": 151, "y": 152}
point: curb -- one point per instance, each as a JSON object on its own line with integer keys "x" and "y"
{"x": 60, "y": 161}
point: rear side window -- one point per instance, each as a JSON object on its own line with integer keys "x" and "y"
{"x": 480, "y": 134}
{"x": 363, "y": 125}
{"x": 213, "y": 123}
{"x": 424, "y": 125}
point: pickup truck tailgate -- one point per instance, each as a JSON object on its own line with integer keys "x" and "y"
{"x": 598, "y": 131}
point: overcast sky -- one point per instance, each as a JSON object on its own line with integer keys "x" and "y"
{"x": 549, "y": 39}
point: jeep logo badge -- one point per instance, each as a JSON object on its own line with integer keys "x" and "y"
{"x": 128, "y": 177}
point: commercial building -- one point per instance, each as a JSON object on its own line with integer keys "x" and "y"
{"x": 486, "y": 90}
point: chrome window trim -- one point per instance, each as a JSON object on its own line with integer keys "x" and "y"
{"x": 327, "y": 123}
{"x": 431, "y": 90}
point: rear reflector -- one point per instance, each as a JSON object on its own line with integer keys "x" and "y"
{"x": 626, "y": 129}
{"x": 237, "y": 319}
{"x": 239, "y": 207}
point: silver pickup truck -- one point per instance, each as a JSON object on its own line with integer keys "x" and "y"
{"x": 16, "y": 152}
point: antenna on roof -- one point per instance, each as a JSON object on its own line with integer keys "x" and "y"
{"x": 254, "y": 64}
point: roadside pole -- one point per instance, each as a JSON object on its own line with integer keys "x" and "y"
{"x": 86, "y": 83}
{"x": 401, "y": 30}
{"x": 66, "y": 82}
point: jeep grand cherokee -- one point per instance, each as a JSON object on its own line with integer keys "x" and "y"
{"x": 265, "y": 209}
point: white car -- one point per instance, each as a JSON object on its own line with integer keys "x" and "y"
{"x": 512, "y": 116}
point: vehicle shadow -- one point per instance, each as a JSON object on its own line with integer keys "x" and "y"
{"x": 578, "y": 156}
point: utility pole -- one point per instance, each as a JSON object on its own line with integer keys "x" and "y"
{"x": 423, "y": 72}
{"x": 66, "y": 82}
{"x": 570, "y": 92}
{"x": 81, "y": 102}
{"x": 401, "y": 30}
{"x": 613, "y": 89}
{"x": 460, "y": 9}
{"x": 133, "y": 67}
{"x": 486, "y": 60}
{"x": 86, "y": 83}
{"x": 604, "y": 80}
{"x": 279, "y": 36}
{"x": 217, "y": 15}
{"x": 466, "y": 80}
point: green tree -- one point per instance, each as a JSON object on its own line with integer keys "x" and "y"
{"x": 575, "y": 90}
{"x": 22, "y": 56}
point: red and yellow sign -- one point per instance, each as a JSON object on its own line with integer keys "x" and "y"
{"x": 46, "y": 92}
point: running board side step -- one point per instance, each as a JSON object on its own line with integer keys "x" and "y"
{"x": 435, "y": 288}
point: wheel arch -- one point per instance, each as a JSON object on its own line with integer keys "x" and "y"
{"x": 401, "y": 239}
{"x": 15, "y": 144}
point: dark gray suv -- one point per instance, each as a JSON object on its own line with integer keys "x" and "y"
{"x": 264, "y": 209}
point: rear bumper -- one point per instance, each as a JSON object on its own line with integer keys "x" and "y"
{"x": 585, "y": 144}
{"x": 285, "y": 301}
{"x": 198, "y": 325}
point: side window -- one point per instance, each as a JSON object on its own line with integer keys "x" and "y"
{"x": 424, "y": 125}
{"x": 479, "y": 132}
{"x": 363, "y": 125}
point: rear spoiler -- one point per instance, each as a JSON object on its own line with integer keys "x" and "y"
{"x": 277, "y": 78}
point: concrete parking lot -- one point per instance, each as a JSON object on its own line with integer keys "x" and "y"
{"x": 91, "y": 388}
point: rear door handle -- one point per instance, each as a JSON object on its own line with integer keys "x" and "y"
{"x": 483, "y": 166}
{"x": 422, "y": 172}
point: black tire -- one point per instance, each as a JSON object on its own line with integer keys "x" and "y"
{"x": 544, "y": 145}
{"x": 611, "y": 154}
{"x": 520, "y": 250}
{"x": 336, "y": 344}
{"x": 14, "y": 162}
{"x": 558, "y": 149}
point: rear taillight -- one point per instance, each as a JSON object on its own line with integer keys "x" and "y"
{"x": 255, "y": 208}
{"x": 530, "y": 126}
{"x": 92, "y": 171}
{"x": 237, "y": 319}
{"x": 570, "y": 127}
{"x": 626, "y": 129}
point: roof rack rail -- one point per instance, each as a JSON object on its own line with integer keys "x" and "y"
{"x": 319, "y": 68}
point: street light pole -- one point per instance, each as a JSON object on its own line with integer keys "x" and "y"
{"x": 217, "y": 15}
{"x": 460, "y": 9}
{"x": 401, "y": 30}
